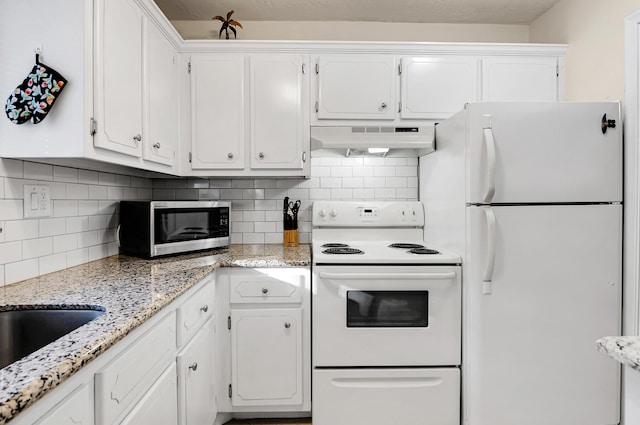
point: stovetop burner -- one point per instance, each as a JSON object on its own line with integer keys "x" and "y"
{"x": 406, "y": 245}
{"x": 342, "y": 250}
{"x": 335, "y": 245}
{"x": 423, "y": 251}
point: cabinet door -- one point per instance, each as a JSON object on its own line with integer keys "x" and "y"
{"x": 158, "y": 406}
{"x": 161, "y": 97}
{"x": 279, "y": 86}
{"x": 196, "y": 384}
{"x": 217, "y": 111}
{"x": 266, "y": 356}
{"x": 433, "y": 87}
{"x": 118, "y": 67}
{"x": 515, "y": 79}
{"x": 76, "y": 409}
{"x": 357, "y": 87}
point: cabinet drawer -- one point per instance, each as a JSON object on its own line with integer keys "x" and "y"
{"x": 132, "y": 373}
{"x": 194, "y": 312}
{"x": 266, "y": 287}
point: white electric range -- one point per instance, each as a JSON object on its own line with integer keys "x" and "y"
{"x": 386, "y": 318}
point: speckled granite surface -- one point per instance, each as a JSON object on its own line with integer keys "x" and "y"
{"x": 131, "y": 290}
{"x": 625, "y": 349}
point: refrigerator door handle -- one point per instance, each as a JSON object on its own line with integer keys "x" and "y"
{"x": 490, "y": 144}
{"x": 491, "y": 251}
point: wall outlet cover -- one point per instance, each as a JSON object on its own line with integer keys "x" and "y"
{"x": 37, "y": 201}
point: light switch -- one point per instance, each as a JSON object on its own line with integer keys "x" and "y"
{"x": 37, "y": 201}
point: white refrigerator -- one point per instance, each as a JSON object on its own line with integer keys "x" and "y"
{"x": 530, "y": 194}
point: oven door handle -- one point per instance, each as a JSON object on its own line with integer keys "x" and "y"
{"x": 386, "y": 276}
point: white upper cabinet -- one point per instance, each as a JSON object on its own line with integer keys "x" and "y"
{"x": 279, "y": 87}
{"x": 519, "y": 79}
{"x": 217, "y": 111}
{"x": 118, "y": 67}
{"x": 437, "y": 87}
{"x": 250, "y": 114}
{"x": 353, "y": 86}
{"x": 161, "y": 112}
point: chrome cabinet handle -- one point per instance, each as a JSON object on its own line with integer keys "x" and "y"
{"x": 230, "y": 155}
{"x": 384, "y": 105}
{"x": 156, "y": 145}
{"x": 194, "y": 366}
{"x": 287, "y": 325}
{"x": 261, "y": 155}
{"x": 265, "y": 290}
{"x": 204, "y": 308}
{"x": 137, "y": 138}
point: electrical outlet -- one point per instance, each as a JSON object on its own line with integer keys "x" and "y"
{"x": 37, "y": 201}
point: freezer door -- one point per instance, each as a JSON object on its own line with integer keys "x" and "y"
{"x": 543, "y": 152}
{"x": 531, "y": 321}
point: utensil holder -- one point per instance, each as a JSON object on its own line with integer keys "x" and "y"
{"x": 291, "y": 237}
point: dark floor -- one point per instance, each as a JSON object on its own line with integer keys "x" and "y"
{"x": 297, "y": 421}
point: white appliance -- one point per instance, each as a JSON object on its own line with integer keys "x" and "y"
{"x": 530, "y": 194}
{"x": 386, "y": 320}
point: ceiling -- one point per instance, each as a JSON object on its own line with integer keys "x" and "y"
{"x": 517, "y": 12}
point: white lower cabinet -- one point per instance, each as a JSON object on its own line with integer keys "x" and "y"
{"x": 266, "y": 362}
{"x": 76, "y": 409}
{"x": 158, "y": 406}
{"x": 196, "y": 378}
{"x": 123, "y": 381}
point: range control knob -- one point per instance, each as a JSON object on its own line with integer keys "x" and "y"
{"x": 333, "y": 213}
{"x": 322, "y": 213}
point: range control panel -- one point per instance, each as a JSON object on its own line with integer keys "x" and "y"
{"x": 367, "y": 214}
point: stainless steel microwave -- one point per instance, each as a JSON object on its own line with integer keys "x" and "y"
{"x": 155, "y": 228}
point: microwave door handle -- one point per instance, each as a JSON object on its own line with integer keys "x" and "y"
{"x": 490, "y": 144}
{"x": 487, "y": 279}
{"x": 118, "y": 236}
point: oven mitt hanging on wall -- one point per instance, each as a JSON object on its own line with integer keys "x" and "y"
{"x": 37, "y": 94}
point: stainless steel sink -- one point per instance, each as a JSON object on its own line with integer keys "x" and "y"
{"x": 24, "y": 331}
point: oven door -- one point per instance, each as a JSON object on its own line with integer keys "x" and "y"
{"x": 386, "y": 316}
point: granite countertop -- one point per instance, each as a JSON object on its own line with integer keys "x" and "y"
{"x": 625, "y": 349}
{"x": 131, "y": 290}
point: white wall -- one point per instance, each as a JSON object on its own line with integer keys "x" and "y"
{"x": 359, "y": 31}
{"x": 594, "y": 30}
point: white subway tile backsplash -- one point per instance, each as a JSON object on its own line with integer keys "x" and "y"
{"x": 11, "y": 209}
{"x": 33, "y": 248}
{"x": 341, "y": 171}
{"x": 75, "y": 224}
{"x": 175, "y": 184}
{"x": 396, "y": 182}
{"x": 275, "y": 193}
{"x": 186, "y": 194}
{"x": 384, "y": 171}
{"x": 14, "y": 188}
{"x": 265, "y": 183}
{"x": 63, "y": 243}
{"x": 2, "y": 183}
{"x": 407, "y": 171}
{"x": 353, "y": 182}
{"x": 144, "y": 194}
{"x": 106, "y": 207}
{"x": 2, "y": 232}
{"x": 57, "y": 190}
{"x": 242, "y": 205}
{"x": 255, "y": 216}
{"x": 321, "y": 172}
{"x": 236, "y": 238}
{"x": 363, "y": 172}
{"x": 11, "y": 168}
{"x": 276, "y": 215}
{"x": 53, "y": 226}
{"x": 115, "y": 193}
{"x": 65, "y": 174}
{"x": 87, "y": 207}
{"x": 65, "y": 208}
{"x": 86, "y": 239}
{"x": 77, "y": 191}
{"x": 331, "y": 162}
{"x": 77, "y": 257}
{"x": 242, "y": 227}
{"x": 363, "y": 194}
{"x": 21, "y": 270}
{"x": 252, "y": 193}
{"x": 412, "y": 161}
{"x": 107, "y": 179}
{"x": 10, "y": 252}
{"x": 138, "y": 182}
{"x": 52, "y": 263}
{"x": 310, "y": 183}
{"x": 385, "y": 193}
{"x": 122, "y": 180}
{"x": 330, "y": 182}
{"x": 412, "y": 182}
{"x": 37, "y": 171}
{"x": 253, "y": 238}
{"x": 17, "y": 230}
{"x": 265, "y": 204}
{"x": 407, "y": 193}
{"x": 97, "y": 252}
{"x": 88, "y": 177}
{"x": 242, "y": 183}
{"x": 231, "y": 193}
{"x": 197, "y": 184}
{"x": 130, "y": 193}
{"x": 273, "y": 238}
{"x": 319, "y": 194}
{"x": 342, "y": 194}
{"x": 287, "y": 183}
{"x": 375, "y": 182}
{"x": 298, "y": 194}
{"x": 97, "y": 222}
{"x": 2, "y": 274}
{"x": 265, "y": 227}
{"x": 97, "y": 192}
{"x": 219, "y": 184}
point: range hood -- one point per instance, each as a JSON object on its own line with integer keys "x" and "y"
{"x": 373, "y": 140}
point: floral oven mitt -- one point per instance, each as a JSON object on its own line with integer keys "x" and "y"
{"x": 32, "y": 99}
